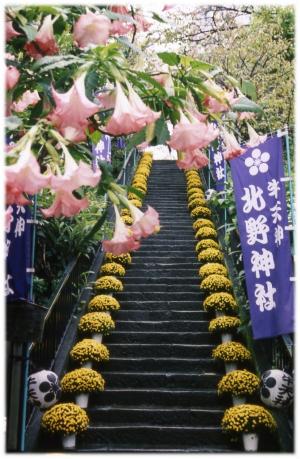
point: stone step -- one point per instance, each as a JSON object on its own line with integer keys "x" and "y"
{"x": 145, "y": 305}
{"x": 161, "y": 350}
{"x": 161, "y": 337}
{"x": 154, "y": 286}
{"x": 168, "y": 296}
{"x": 167, "y": 416}
{"x": 163, "y": 325}
{"x": 179, "y": 259}
{"x": 158, "y": 281}
{"x": 163, "y": 364}
{"x": 159, "y": 396}
{"x": 157, "y": 436}
{"x": 160, "y": 314}
{"x": 177, "y": 273}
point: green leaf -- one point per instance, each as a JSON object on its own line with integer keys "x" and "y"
{"x": 126, "y": 42}
{"x": 248, "y": 88}
{"x": 51, "y": 60}
{"x": 188, "y": 61}
{"x": 136, "y": 139}
{"x": 120, "y": 17}
{"x": 158, "y": 18}
{"x": 169, "y": 58}
{"x": 13, "y": 122}
{"x": 139, "y": 193}
{"x": 246, "y": 105}
{"x": 95, "y": 137}
{"x": 61, "y": 64}
{"x": 161, "y": 131}
{"x": 146, "y": 77}
{"x": 30, "y": 31}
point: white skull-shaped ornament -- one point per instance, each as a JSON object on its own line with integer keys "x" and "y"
{"x": 44, "y": 389}
{"x": 276, "y": 388}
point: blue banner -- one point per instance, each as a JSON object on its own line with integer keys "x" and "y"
{"x": 102, "y": 150}
{"x": 262, "y": 222}
{"x": 218, "y": 166}
{"x": 18, "y": 253}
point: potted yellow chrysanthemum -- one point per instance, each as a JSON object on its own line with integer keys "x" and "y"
{"x": 67, "y": 419}
{"x": 249, "y": 420}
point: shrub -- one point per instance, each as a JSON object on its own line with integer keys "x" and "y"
{"x": 222, "y": 302}
{"x": 124, "y": 259}
{"x": 96, "y": 322}
{"x": 225, "y": 324}
{"x": 136, "y": 203}
{"x": 207, "y": 244}
{"x": 231, "y": 351}
{"x": 103, "y": 303}
{"x": 216, "y": 283}
{"x": 196, "y": 202}
{"x": 108, "y": 284}
{"x": 89, "y": 349}
{"x": 212, "y": 268}
{"x": 206, "y": 233}
{"x": 200, "y": 222}
{"x": 239, "y": 383}
{"x": 127, "y": 220}
{"x": 82, "y": 380}
{"x": 65, "y": 418}
{"x": 113, "y": 268}
{"x": 247, "y": 418}
{"x": 211, "y": 255}
{"x": 201, "y": 211}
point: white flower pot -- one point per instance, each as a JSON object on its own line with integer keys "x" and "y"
{"x": 230, "y": 366}
{"x": 97, "y": 337}
{"x": 226, "y": 337}
{"x": 250, "y": 441}
{"x": 82, "y": 400}
{"x": 69, "y": 441}
{"x": 87, "y": 364}
{"x": 220, "y": 314}
{"x": 238, "y": 400}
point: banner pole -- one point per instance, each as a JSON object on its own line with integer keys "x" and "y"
{"x": 209, "y": 151}
{"x": 26, "y": 347}
{"x": 288, "y": 156}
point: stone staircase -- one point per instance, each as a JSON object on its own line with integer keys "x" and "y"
{"x": 161, "y": 381}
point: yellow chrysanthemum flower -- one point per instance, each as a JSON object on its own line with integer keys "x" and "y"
{"x": 103, "y": 303}
{"x": 65, "y": 418}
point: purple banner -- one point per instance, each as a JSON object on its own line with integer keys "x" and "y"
{"x": 102, "y": 150}
{"x": 218, "y": 166}
{"x": 262, "y": 222}
{"x": 18, "y": 243}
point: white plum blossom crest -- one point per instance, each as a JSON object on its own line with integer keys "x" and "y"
{"x": 257, "y": 162}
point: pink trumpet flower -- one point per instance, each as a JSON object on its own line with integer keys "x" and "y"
{"x": 254, "y": 138}
{"x": 91, "y": 29}
{"x": 24, "y": 177}
{"x": 119, "y": 9}
{"x": 129, "y": 116}
{"x": 12, "y": 73}
{"x": 214, "y": 106}
{"x": 120, "y": 28}
{"x": 10, "y": 32}
{"x": 44, "y": 43}
{"x": 189, "y": 136}
{"x": 136, "y": 102}
{"x": 72, "y": 110}
{"x": 123, "y": 239}
{"x": 167, "y": 7}
{"x": 74, "y": 175}
{"x": 27, "y": 98}
{"x": 65, "y": 204}
{"x": 142, "y": 25}
{"x": 233, "y": 148}
{"x": 144, "y": 223}
{"x": 193, "y": 159}
{"x": 107, "y": 100}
